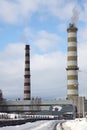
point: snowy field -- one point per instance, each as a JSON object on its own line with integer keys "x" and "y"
{"x": 77, "y": 124}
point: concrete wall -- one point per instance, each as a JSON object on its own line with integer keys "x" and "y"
{"x": 81, "y": 105}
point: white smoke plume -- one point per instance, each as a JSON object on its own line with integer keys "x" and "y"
{"x": 75, "y": 16}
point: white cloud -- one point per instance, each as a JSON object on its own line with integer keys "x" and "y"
{"x": 15, "y": 11}
{"x": 48, "y": 75}
{"x": 28, "y": 6}
{"x": 82, "y": 63}
{"x": 8, "y": 11}
{"x": 43, "y": 40}
{"x": 11, "y": 69}
{"x": 47, "y": 41}
{"x": 83, "y": 11}
{"x": 82, "y": 31}
{"x": 22, "y": 10}
{"x": 43, "y": 44}
{"x": 82, "y": 52}
{"x": 47, "y": 35}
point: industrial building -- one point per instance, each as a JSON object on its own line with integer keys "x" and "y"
{"x": 58, "y": 108}
{"x": 73, "y": 104}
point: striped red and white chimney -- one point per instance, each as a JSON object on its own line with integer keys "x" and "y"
{"x": 27, "y": 91}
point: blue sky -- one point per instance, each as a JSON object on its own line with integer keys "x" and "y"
{"x": 42, "y": 24}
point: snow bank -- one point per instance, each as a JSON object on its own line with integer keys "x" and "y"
{"x": 77, "y": 124}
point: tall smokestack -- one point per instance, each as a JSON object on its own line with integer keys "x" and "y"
{"x": 27, "y": 91}
{"x": 72, "y": 68}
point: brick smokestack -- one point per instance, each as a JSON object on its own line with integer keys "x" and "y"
{"x": 27, "y": 89}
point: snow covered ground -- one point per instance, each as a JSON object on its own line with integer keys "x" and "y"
{"x": 38, "y": 125}
{"x": 77, "y": 124}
